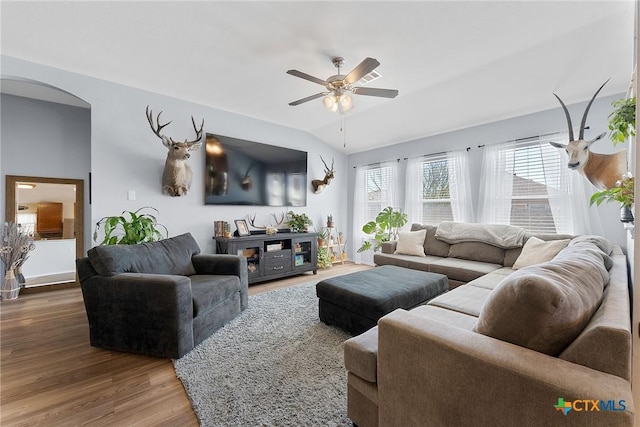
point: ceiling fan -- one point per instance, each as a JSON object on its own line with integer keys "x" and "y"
{"x": 339, "y": 86}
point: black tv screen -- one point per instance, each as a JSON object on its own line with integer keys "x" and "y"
{"x": 241, "y": 172}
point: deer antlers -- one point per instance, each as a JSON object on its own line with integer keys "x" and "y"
{"x": 271, "y": 229}
{"x": 168, "y": 140}
{"x": 327, "y": 169}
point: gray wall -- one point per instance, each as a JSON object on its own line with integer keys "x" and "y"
{"x": 518, "y": 127}
{"x": 45, "y": 139}
{"x": 126, "y": 155}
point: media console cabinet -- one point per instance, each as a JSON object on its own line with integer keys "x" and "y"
{"x": 273, "y": 256}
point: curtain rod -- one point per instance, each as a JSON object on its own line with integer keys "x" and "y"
{"x": 527, "y": 137}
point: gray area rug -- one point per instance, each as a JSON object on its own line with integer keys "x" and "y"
{"x": 275, "y": 364}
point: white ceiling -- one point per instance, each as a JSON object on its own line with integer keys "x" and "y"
{"x": 455, "y": 63}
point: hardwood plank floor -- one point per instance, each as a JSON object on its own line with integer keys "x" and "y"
{"x": 51, "y": 376}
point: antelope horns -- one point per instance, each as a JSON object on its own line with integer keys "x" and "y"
{"x": 586, "y": 111}
{"x": 568, "y": 116}
{"x": 583, "y": 123}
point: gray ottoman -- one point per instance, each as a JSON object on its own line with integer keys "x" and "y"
{"x": 356, "y": 301}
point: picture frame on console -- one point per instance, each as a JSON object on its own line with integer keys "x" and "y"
{"x": 243, "y": 228}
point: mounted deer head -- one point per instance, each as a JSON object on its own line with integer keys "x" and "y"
{"x": 176, "y": 178}
{"x": 602, "y": 170}
{"x": 319, "y": 184}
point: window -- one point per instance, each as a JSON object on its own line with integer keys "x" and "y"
{"x": 438, "y": 189}
{"x": 379, "y": 195}
{"x": 524, "y": 183}
{"x": 376, "y": 187}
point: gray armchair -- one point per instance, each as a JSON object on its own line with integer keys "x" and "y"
{"x": 162, "y": 298}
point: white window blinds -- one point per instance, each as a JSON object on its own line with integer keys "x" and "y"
{"x": 523, "y": 183}
{"x": 438, "y": 189}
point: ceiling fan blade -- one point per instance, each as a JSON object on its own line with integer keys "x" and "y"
{"x": 372, "y": 91}
{"x": 307, "y": 77}
{"x": 308, "y": 98}
{"x": 364, "y": 68}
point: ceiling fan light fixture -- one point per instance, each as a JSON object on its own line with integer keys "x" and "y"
{"x": 346, "y": 103}
{"x": 330, "y": 102}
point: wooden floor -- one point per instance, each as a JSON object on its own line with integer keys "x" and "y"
{"x": 51, "y": 376}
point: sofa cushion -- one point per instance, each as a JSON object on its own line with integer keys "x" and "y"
{"x": 167, "y": 256}
{"x": 511, "y": 255}
{"x": 464, "y": 299}
{"x": 406, "y": 261}
{"x": 537, "y": 251}
{"x": 208, "y": 291}
{"x": 477, "y": 251}
{"x": 461, "y": 269}
{"x": 432, "y": 246}
{"x": 411, "y": 243}
{"x": 544, "y": 307}
{"x": 491, "y": 280}
{"x": 608, "y": 331}
{"x": 448, "y": 317}
{"x": 361, "y": 355}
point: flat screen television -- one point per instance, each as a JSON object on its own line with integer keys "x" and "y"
{"x": 241, "y": 172}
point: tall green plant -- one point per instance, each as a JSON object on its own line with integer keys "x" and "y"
{"x": 622, "y": 121}
{"x": 385, "y": 228}
{"x": 137, "y": 228}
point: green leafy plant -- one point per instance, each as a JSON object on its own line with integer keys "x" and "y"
{"x": 385, "y": 228}
{"x": 622, "y": 121}
{"x": 324, "y": 258}
{"x": 298, "y": 222}
{"x": 130, "y": 228}
{"x": 621, "y": 193}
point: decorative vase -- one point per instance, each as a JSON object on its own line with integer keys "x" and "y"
{"x": 10, "y": 286}
{"x": 19, "y": 276}
{"x": 625, "y": 214}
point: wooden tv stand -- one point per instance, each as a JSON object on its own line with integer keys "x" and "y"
{"x": 273, "y": 256}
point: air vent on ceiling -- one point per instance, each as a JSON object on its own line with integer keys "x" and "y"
{"x": 368, "y": 78}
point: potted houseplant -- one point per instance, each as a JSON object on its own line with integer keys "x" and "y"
{"x": 621, "y": 193}
{"x": 130, "y": 228}
{"x": 329, "y": 220}
{"x": 324, "y": 258}
{"x": 385, "y": 228}
{"x": 322, "y": 236}
{"x": 298, "y": 222}
{"x": 622, "y": 121}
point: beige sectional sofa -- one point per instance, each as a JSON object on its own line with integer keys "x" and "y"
{"x": 510, "y": 347}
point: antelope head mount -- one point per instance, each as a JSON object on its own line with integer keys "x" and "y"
{"x": 602, "y": 170}
{"x": 176, "y": 177}
{"x": 320, "y": 184}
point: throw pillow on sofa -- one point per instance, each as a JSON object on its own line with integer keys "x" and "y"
{"x": 537, "y": 251}
{"x": 545, "y": 307}
{"x": 411, "y": 243}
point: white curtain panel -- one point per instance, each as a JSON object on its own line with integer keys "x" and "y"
{"x": 359, "y": 202}
{"x": 569, "y": 193}
{"x": 413, "y": 205}
{"x": 496, "y": 184}
{"x": 386, "y": 196}
{"x": 460, "y": 186}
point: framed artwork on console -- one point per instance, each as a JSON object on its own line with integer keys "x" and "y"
{"x": 243, "y": 228}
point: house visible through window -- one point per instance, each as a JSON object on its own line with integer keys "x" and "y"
{"x": 523, "y": 184}
{"x": 438, "y": 188}
{"x": 436, "y": 199}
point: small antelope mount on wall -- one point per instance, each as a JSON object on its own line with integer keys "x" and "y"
{"x": 602, "y": 170}
{"x": 176, "y": 177}
{"x": 319, "y": 184}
